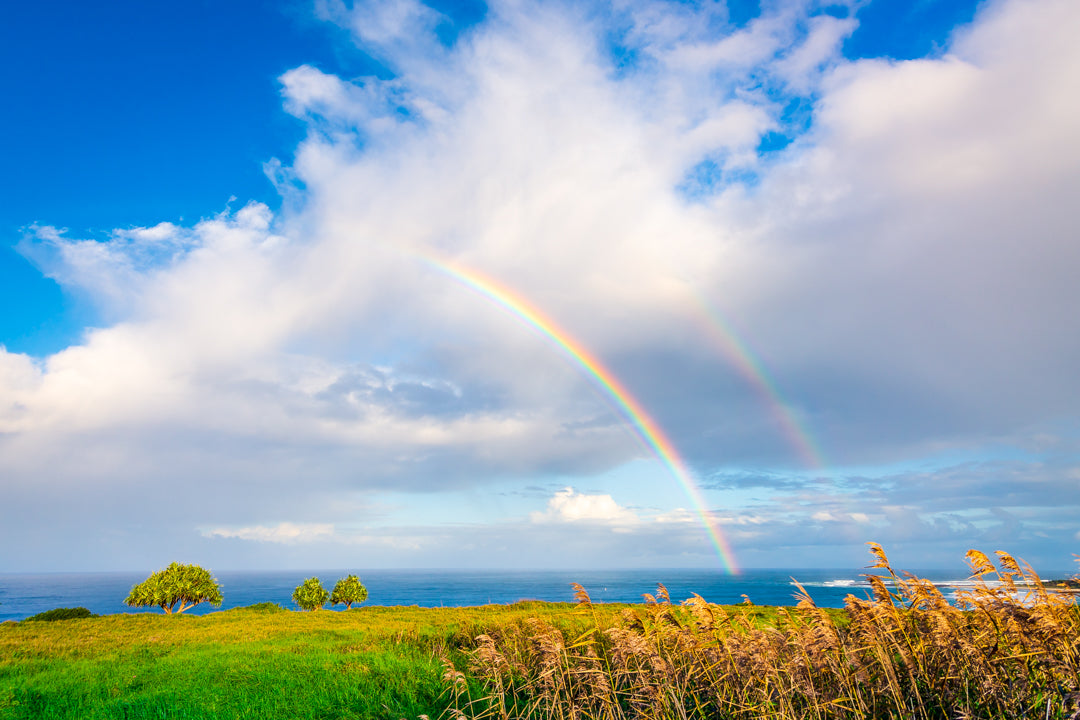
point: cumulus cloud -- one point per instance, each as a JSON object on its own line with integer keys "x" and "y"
{"x": 568, "y": 505}
{"x": 904, "y": 269}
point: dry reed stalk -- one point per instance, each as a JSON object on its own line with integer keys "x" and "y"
{"x": 1001, "y": 651}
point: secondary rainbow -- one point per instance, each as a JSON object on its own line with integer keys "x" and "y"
{"x": 724, "y": 337}
{"x": 644, "y": 426}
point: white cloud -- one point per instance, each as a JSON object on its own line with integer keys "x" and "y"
{"x": 284, "y": 533}
{"x": 570, "y": 506}
{"x": 678, "y": 515}
{"x": 397, "y": 30}
{"x": 801, "y": 67}
{"x": 828, "y": 516}
{"x": 159, "y": 232}
{"x": 369, "y": 107}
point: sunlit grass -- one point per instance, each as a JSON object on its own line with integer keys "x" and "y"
{"x": 372, "y": 662}
{"x": 1007, "y": 650}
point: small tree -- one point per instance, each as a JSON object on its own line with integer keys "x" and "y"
{"x": 348, "y": 590}
{"x": 310, "y": 594}
{"x": 187, "y": 585}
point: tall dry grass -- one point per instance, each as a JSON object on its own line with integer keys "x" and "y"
{"x": 1006, "y": 648}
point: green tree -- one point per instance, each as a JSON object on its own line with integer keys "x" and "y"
{"x": 348, "y": 590}
{"x": 310, "y": 594}
{"x": 186, "y": 585}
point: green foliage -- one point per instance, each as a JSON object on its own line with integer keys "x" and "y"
{"x": 310, "y": 594}
{"x": 74, "y": 613}
{"x": 348, "y": 590}
{"x": 186, "y": 585}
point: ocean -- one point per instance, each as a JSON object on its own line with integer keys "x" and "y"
{"x": 22, "y": 595}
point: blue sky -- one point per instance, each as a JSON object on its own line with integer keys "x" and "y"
{"x": 828, "y": 248}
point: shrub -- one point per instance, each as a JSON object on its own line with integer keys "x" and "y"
{"x": 348, "y": 590}
{"x": 187, "y": 585}
{"x": 264, "y": 607}
{"x": 310, "y": 594}
{"x": 74, "y": 613}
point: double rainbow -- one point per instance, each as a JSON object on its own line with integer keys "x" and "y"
{"x": 644, "y": 426}
{"x": 723, "y": 336}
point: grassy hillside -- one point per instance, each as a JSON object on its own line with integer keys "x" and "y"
{"x": 1004, "y": 651}
{"x": 245, "y": 663}
{"x": 259, "y": 662}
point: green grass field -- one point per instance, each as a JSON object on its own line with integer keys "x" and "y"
{"x": 1000, "y": 652}
{"x": 369, "y": 662}
{"x": 244, "y": 663}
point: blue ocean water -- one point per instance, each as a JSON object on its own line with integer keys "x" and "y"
{"x": 23, "y": 595}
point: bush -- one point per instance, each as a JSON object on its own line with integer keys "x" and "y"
{"x": 264, "y": 607}
{"x": 348, "y": 590}
{"x": 310, "y": 594}
{"x": 75, "y": 613}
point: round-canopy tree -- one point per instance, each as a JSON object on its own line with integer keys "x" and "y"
{"x": 310, "y": 594}
{"x": 348, "y": 590}
{"x": 187, "y": 585}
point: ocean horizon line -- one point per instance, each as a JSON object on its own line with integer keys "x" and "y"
{"x": 26, "y": 594}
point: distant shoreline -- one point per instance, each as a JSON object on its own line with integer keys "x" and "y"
{"x": 1064, "y": 587}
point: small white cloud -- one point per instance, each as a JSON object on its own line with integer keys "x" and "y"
{"x": 678, "y": 515}
{"x": 568, "y": 505}
{"x": 741, "y": 519}
{"x": 826, "y": 516}
{"x": 286, "y": 533}
{"x": 161, "y": 231}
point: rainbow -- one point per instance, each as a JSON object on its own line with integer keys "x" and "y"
{"x": 724, "y": 337}
{"x": 644, "y": 426}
